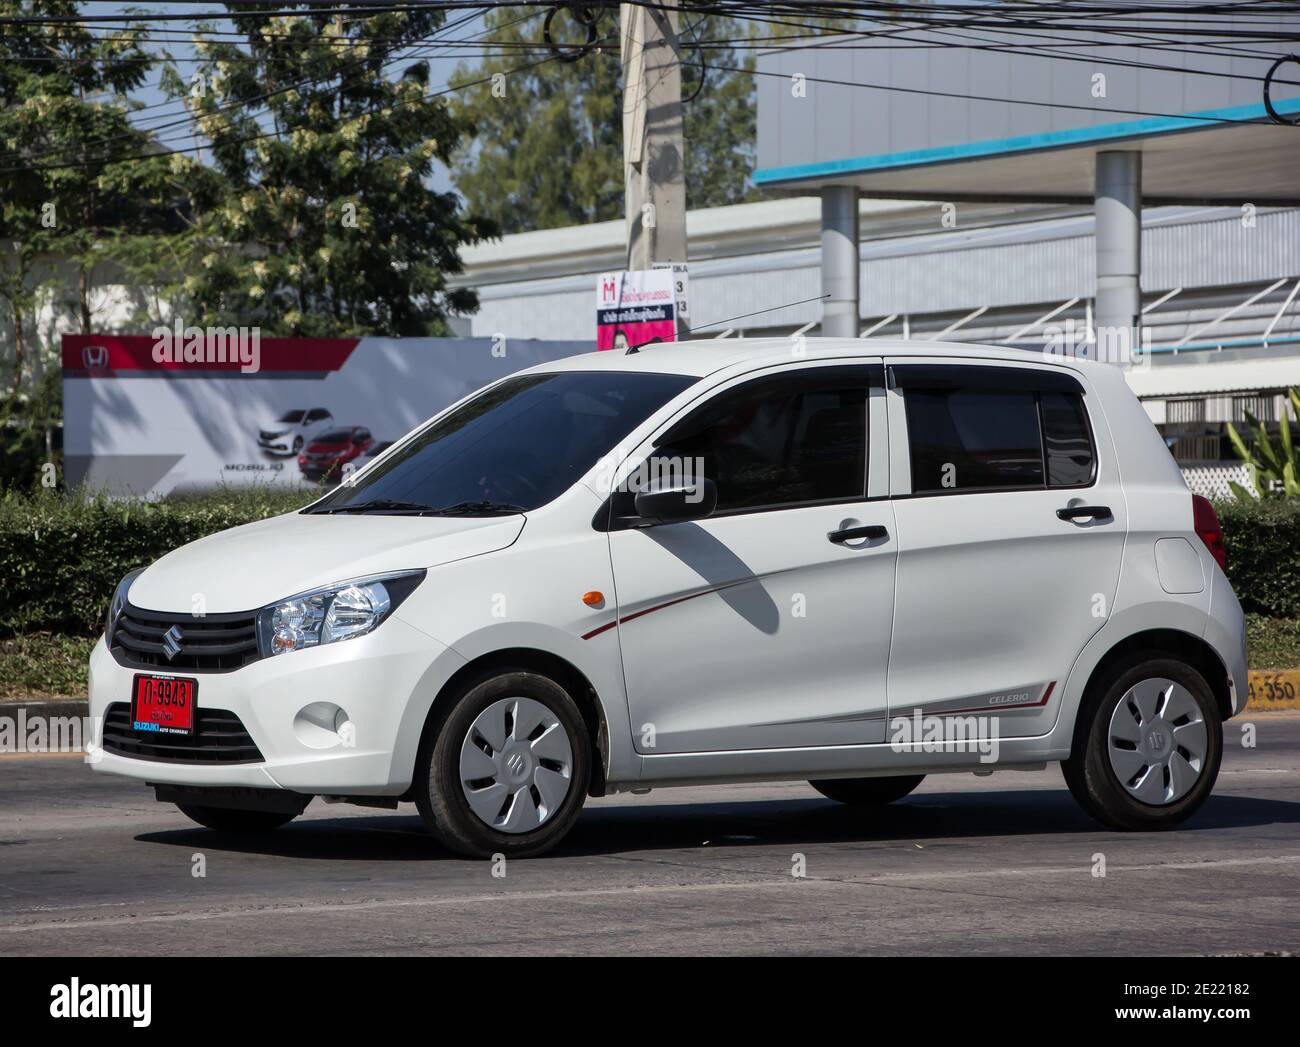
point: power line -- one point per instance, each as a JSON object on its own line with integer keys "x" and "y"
{"x": 410, "y": 56}
{"x": 986, "y": 98}
{"x": 446, "y": 90}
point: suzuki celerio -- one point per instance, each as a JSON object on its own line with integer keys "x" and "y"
{"x": 856, "y": 565}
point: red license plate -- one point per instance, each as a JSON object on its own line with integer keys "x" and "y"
{"x": 164, "y": 704}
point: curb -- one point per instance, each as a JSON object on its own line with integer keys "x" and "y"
{"x": 46, "y": 707}
{"x": 1273, "y": 689}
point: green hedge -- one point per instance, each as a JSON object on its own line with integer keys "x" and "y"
{"x": 62, "y": 557}
{"x": 1262, "y": 540}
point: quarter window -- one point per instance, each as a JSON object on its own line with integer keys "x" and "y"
{"x": 1066, "y": 444}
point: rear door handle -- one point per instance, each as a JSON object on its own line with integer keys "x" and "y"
{"x": 1085, "y": 512}
{"x": 849, "y": 534}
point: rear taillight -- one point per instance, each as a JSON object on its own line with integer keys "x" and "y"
{"x": 1206, "y": 522}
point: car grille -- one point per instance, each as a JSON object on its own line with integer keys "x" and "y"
{"x": 219, "y": 737}
{"x": 270, "y": 436}
{"x": 215, "y": 643}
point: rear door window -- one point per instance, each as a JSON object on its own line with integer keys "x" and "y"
{"x": 965, "y": 439}
{"x": 977, "y": 428}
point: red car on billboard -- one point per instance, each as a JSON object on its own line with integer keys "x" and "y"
{"x": 325, "y": 457}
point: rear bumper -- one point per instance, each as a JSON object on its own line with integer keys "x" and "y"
{"x": 1225, "y": 631}
{"x": 383, "y": 684}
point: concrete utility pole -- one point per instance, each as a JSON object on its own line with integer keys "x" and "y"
{"x": 654, "y": 163}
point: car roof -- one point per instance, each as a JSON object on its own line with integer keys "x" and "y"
{"x": 703, "y": 357}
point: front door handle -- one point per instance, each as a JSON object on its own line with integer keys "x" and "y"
{"x": 1085, "y": 512}
{"x": 849, "y": 534}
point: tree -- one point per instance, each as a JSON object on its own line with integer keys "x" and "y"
{"x": 548, "y": 135}
{"x": 316, "y": 217}
{"x": 74, "y": 180}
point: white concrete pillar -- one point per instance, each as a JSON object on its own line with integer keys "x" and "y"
{"x": 1119, "y": 245}
{"x": 840, "y": 261}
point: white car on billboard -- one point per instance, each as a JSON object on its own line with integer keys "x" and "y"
{"x": 289, "y": 433}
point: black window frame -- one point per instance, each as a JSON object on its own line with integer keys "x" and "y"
{"x": 940, "y": 377}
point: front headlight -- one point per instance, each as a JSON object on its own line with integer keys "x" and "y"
{"x": 335, "y": 612}
{"x": 116, "y": 604}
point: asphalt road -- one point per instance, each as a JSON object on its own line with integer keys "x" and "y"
{"x": 91, "y": 865}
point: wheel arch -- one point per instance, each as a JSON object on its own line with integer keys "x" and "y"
{"x": 1172, "y": 643}
{"x": 544, "y": 663}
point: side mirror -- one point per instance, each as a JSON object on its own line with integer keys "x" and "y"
{"x": 691, "y": 500}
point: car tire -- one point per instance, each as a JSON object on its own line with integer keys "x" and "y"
{"x": 1147, "y": 745}
{"x": 230, "y": 820}
{"x": 867, "y": 792}
{"x": 505, "y": 769}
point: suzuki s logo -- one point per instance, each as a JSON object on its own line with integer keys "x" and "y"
{"x": 171, "y": 642}
{"x": 1157, "y": 741}
{"x": 95, "y": 357}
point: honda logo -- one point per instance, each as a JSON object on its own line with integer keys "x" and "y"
{"x": 95, "y": 357}
{"x": 171, "y": 642}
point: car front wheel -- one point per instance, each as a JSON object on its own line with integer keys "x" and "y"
{"x": 508, "y": 767}
{"x": 1148, "y": 746}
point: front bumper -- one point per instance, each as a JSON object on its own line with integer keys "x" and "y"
{"x": 384, "y": 683}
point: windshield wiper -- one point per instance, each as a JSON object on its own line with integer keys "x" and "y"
{"x": 378, "y": 505}
{"x": 484, "y": 507}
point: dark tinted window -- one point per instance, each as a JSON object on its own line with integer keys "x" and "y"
{"x": 292, "y": 417}
{"x": 780, "y": 442}
{"x": 335, "y": 436}
{"x": 973, "y": 438}
{"x": 1066, "y": 442}
{"x": 523, "y": 441}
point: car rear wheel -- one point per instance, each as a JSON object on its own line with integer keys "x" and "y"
{"x": 507, "y": 769}
{"x": 1147, "y": 746}
{"x": 229, "y": 820}
{"x": 867, "y": 792}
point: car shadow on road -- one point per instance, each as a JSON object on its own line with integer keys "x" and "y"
{"x": 631, "y": 827}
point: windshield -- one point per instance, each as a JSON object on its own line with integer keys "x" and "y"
{"x": 335, "y": 436}
{"x": 292, "y": 417}
{"x": 520, "y": 443}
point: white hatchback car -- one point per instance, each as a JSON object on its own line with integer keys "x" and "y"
{"x": 288, "y": 434}
{"x": 855, "y": 564}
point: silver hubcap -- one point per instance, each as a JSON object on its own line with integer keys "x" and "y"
{"x": 516, "y": 764}
{"x": 1157, "y": 741}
